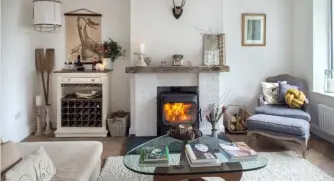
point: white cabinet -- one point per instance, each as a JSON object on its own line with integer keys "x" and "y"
{"x": 82, "y": 117}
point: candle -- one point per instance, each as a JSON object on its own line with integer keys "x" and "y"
{"x": 39, "y": 101}
{"x": 142, "y": 48}
{"x": 97, "y": 66}
{"x": 101, "y": 67}
{"x": 330, "y": 86}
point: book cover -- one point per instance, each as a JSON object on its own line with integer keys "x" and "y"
{"x": 213, "y": 164}
{"x": 154, "y": 154}
{"x": 238, "y": 150}
{"x": 200, "y": 153}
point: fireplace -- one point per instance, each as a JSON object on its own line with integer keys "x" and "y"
{"x": 177, "y": 105}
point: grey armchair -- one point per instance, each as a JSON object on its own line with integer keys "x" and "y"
{"x": 280, "y": 121}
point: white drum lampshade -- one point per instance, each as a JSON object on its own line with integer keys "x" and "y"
{"x": 47, "y": 15}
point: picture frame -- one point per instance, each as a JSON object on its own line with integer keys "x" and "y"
{"x": 254, "y": 29}
{"x": 83, "y": 34}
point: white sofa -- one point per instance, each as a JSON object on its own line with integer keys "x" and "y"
{"x": 74, "y": 161}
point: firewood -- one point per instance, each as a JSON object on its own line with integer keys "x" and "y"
{"x": 232, "y": 127}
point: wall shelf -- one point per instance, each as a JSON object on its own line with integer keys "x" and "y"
{"x": 177, "y": 69}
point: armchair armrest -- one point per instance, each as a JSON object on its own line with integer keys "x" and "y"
{"x": 260, "y": 101}
{"x": 306, "y": 107}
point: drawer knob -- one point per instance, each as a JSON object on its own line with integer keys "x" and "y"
{"x": 68, "y": 79}
{"x": 92, "y": 80}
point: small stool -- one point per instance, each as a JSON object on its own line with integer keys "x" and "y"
{"x": 281, "y": 128}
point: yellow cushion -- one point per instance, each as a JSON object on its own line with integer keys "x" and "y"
{"x": 295, "y": 98}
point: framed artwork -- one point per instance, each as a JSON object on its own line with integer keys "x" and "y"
{"x": 253, "y": 29}
{"x": 83, "y": 34}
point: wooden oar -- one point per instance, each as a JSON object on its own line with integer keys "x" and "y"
{"x": 49, "y": 64}
{"x": 40, "y": 66}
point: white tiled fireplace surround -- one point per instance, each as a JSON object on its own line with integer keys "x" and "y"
{"x": 144, "y": 97}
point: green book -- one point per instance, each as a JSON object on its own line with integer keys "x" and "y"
{"x": 154, "y": 156}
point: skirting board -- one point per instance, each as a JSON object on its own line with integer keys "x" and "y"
{"x": 318, "y": 132}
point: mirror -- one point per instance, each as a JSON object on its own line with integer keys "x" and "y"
{"x": 214, "y": 49}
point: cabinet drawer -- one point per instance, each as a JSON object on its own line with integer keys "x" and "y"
{"x": 82, "y": 80}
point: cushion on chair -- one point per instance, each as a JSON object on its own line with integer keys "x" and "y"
{"x": 291, "y": 126}
{"x": 282, "y": 89}
{"x": 282, "y": 110}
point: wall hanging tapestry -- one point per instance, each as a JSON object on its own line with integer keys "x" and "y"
{"x": 83, "y": 35}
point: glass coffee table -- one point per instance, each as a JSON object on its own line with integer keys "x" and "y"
{"x": 179, "y": 168}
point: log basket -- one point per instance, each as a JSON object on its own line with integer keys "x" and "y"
{"x": 235, "y": 119}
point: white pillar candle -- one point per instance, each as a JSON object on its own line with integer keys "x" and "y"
{"x": 39, "y": 100}
{"x": 101, "y": 67}
{"x": 330, "y": 86}
{"x": 142, "y": 48}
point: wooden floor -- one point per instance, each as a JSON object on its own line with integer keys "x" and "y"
{"x": 321, "y": 152}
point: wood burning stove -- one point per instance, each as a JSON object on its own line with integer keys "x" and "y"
{"x": 177, "y": 105}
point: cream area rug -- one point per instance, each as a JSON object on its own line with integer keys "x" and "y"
{"x": 282, "y": 166}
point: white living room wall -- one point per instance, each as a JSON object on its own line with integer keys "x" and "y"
{"x": 18, "y": 76}
{"x": 310, "y": 53}
{"x": 0, "y": 72}
{"x": 149, "y": 21}
{"x": 115, "y": 25}
{"x": 152, "y": 23}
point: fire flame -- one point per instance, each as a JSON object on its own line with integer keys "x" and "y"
{"x": 177, "y": 112}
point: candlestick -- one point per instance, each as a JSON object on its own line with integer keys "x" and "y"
{"x": 38, "y": 131}
{"x": 142, "y": 48}
{"x": 39, "y": 100}
{"x": 141, "y": 60}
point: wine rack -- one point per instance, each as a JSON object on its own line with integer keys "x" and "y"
{"x": 77, "y": 112}
{"x": 82, "y": 117}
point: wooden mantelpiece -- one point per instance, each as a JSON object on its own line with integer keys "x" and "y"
{"x": 177, "y": 69}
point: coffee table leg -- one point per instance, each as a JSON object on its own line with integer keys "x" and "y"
{"x": 199, "y": 177}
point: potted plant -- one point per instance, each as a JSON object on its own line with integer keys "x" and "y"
{"x": 110, "y": 51}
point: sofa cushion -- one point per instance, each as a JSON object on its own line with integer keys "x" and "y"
{"x": 270, "y": 92}
{"x": 35, "y": 167}
{"x": 282, "y": 89}
{"x": 281, "y": 110}
{"x": 291, "y": 126}
{"x": 10, "y": 155}
{"x": 74, "y": 161}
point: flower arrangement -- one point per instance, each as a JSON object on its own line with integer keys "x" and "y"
{"x": 111, "y": 49}
{"x": 215, "y": 111}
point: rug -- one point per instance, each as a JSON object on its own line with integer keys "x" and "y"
{"x": 282, "y": 166}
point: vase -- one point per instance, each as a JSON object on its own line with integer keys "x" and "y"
{"x": 47, "y": 120}
{"x": 108, "y": 63}
{"x": 214, "y": 133}
{"x": 329, "y": 81}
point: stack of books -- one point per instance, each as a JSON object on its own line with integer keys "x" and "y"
{"x": 154, "y": 157}
{"x": 238, "y": 152}
{"x": 199, "y": 155}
